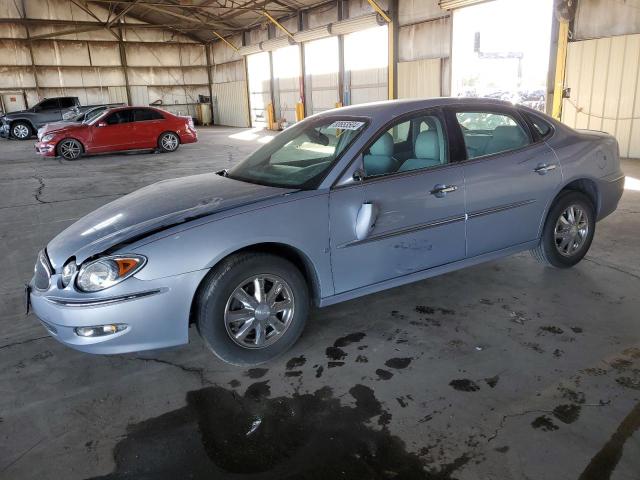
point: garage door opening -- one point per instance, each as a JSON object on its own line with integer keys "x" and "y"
{"x": 321, "y": 69}
{"x": 259, "y": 72}
{"x": 501, "y": 50}
{"x": 366, "y": 62}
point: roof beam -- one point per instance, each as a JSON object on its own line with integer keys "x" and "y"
{"x": 278, "y": 24}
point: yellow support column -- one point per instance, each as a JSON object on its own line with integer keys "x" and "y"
{"x": 299, "y": 111}
{"x": 392, "y": 60}
{"x": 561, "y": 61}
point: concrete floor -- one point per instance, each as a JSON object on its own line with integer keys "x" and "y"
{"x": 507, "y": 370}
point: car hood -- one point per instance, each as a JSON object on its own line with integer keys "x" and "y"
{"x": 153, "y": 208}
{"x": 56, "y": 127}
{"x": 16, "y": 113}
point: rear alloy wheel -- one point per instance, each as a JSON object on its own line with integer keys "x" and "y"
{"x": 168, "y": 142}
{"x": 568, "y": 231}
{"x": 252, "y": 307}
{"x": 69, "y": 149}
{"x": 21, "y": 130}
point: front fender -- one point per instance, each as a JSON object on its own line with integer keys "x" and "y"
{"x": 302, "y": 224}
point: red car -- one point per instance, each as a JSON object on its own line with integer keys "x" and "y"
{"x": 117, "y": 129}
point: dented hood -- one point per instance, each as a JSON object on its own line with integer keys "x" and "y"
{"x": 152, "y": 208}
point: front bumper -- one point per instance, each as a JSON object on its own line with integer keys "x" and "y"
{"x": 45, "y": 149}
{"x": 156, "y": 313}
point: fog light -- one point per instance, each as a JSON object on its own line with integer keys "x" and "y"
{"x": 100, "y": 330}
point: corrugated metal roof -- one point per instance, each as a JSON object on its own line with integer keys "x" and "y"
{"x": 200, "y": 18}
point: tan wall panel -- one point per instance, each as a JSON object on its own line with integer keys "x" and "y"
{"x": 140, "y": 55}
{"x": 167, "y": 76}
{"x": 230, "y": 104}
{"x": 10, "y": 10}
{"x": 14, "y": 52}
{"x": 425, "y": 40}
{"x": 420, "y": 79}
{"x": 12, "y": 30}
{"x": 605, "y": 92}
{"x": 16, "y": 77}
{"x": 223, "y": 53}
{"x": 50, "y": 52}
{"x": 53, "y": 77}
{"x": 228, "y": 72}
{"x": 414, "y": 11}
{"x": 104, "y": 54}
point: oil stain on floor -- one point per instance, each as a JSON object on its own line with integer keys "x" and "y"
{"x": 221, "y": 434}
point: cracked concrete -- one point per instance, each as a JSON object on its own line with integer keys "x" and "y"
{"x": 515, "y": 371}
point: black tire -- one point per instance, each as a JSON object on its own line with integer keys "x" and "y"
{"x": 168, "y": 142}
{"x": 21, "y": 130}
{"x": 216, "y": 291}
{"x": 548, "y": 252}
{"x": 69, "y": 149}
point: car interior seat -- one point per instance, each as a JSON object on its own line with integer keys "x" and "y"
{"x": 426, "y": 150}
{"x": 506, "y": 137}
{"x": 379, "y": 160}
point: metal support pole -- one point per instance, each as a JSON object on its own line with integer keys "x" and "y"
{"x": 392, "y": 32}
{"x": 207, "y": 47}
{"x": 123, "y": 63}
{"x": 561, "y": 61}
{"x": 33, "y": 65}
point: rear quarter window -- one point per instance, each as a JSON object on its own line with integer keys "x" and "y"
{"x": 542, "y": 127}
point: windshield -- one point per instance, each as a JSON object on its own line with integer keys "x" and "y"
{"x": 91, "y": 114}
{"x": 301, "y": 155}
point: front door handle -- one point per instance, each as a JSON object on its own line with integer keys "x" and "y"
{"x": 441, "y": 190}
{"x": 543, "y": 168}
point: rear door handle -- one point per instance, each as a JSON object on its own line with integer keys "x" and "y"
{"x": 544, "y": 168}
{"x": 441, "y": 190}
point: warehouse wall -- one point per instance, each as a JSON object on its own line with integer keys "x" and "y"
{"x": 229, "y": 88}
{"x": 603, "y": 71}
{"x": 424, "y": 49}
{"x": 162, "y": 66}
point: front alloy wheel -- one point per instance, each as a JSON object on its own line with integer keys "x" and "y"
{"x": 70, "y": 149}
{"x": 20, "y": 130}
{"x": 252, "y": 307}
{"x": 259, "y": 311}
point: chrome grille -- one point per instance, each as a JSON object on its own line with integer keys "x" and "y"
{"x": 42, "y": 271}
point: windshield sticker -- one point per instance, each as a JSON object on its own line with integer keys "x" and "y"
{"x": 346, "y": 125}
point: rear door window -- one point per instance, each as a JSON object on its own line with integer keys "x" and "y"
{"x": 67, "y": 102}
{"x": 488, "y": 133}
{"x": 50, "y": 104}
{"x": 146, "y": 114}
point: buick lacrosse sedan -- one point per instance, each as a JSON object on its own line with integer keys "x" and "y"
{"x": 346, "y": 203}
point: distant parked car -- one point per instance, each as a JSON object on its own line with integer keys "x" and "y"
{"x": 346, "y": 203}
{"x": 25, "y": 123}
{"x": 118, "y": 129}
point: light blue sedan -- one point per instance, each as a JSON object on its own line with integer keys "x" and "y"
{"x": 346, "y": 203}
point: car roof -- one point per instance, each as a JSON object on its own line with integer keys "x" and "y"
{"x": 128, "y": 107}
{"x": 396, "y": 107}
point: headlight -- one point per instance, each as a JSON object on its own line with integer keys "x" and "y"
{"x": 108, "y": 271}
{"x": 68, "y": 271}
{"x": 47, "y": 138}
